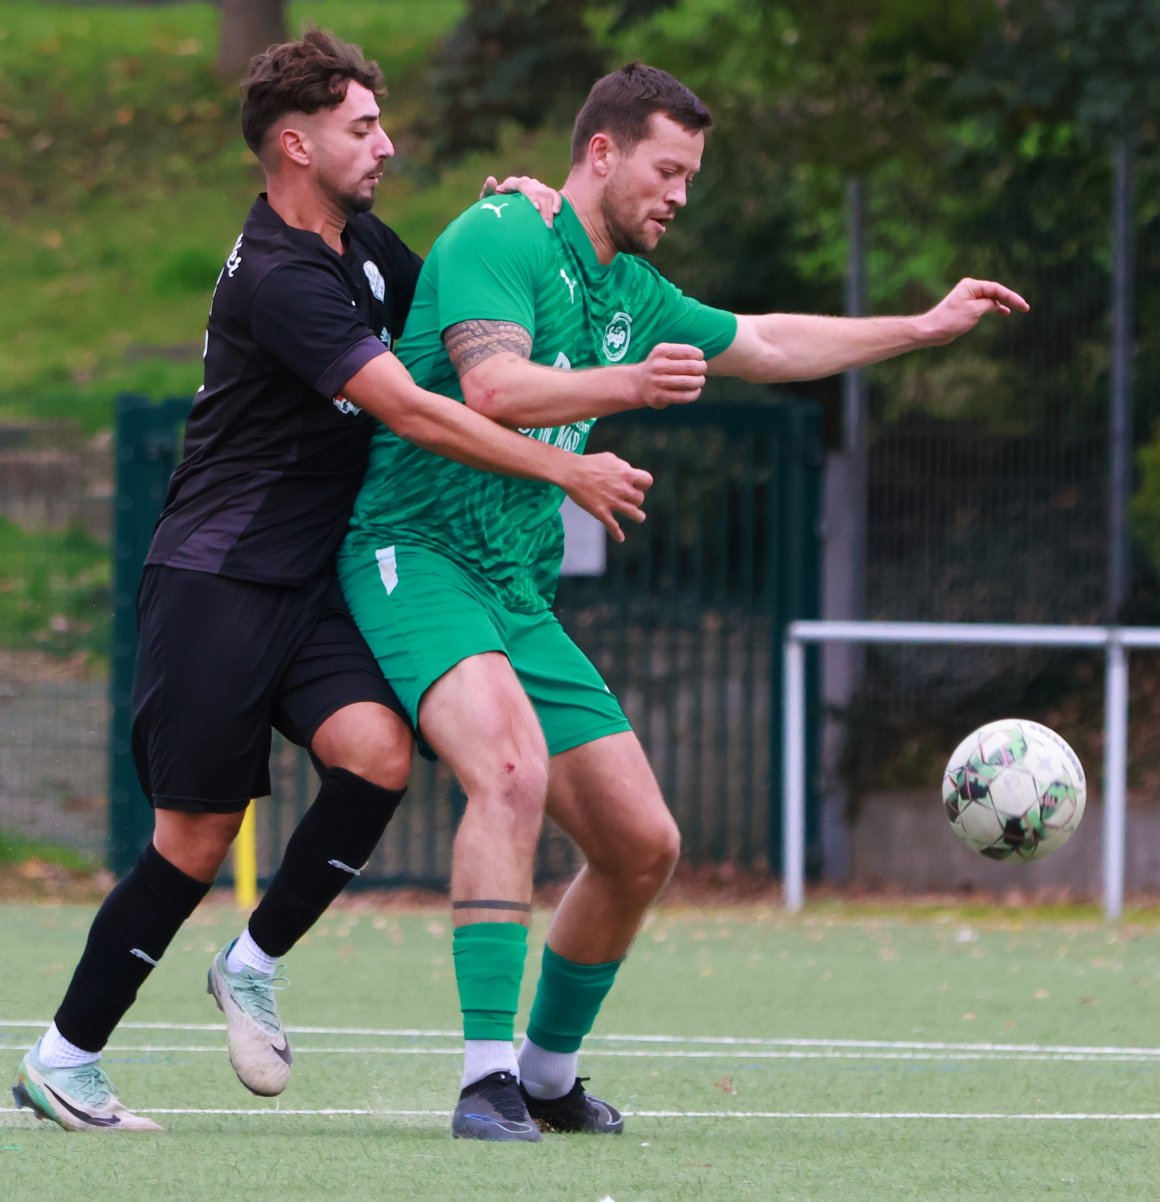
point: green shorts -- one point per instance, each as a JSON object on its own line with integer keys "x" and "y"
{"x": 422, "y": 614}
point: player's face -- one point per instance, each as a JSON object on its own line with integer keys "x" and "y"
{"x": 351, "y": 149}
{"x": 645, "y": 189}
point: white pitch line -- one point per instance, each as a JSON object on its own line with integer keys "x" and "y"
{"x": 120, "y": 1049}
{"x": 769, "y": 1115}
{"x": 722, "y": 1041}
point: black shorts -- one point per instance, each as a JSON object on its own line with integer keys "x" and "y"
{"x": 219, "y": 663}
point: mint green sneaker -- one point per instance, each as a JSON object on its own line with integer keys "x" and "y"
{"x": 259, "y": 1049}
{"x": 77, "y": 1099}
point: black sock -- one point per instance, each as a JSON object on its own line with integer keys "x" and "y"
{"x": 129, "y": 935}
{"x": 327, "y": 851}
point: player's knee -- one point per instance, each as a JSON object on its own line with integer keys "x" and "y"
{"x": 371, "y": 743}
{"x": 196, "y": 844}
{"x": 514, "y": 789}
{"x": 523, "y": 783}
{"x": 643, "y": 864}
{"x": 661, "y": 853}
{"x": 387, "y": 765}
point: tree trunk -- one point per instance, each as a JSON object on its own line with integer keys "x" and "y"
{"x": 247, "y": 28}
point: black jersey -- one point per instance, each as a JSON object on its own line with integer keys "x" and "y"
{"x": 274, "y": 454}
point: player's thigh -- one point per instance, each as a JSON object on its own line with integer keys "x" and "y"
{"x": 480, "y": 722}
{"x": 605, "y": 795}
{"x": 332, "y": 698}
{"x": 368, "y": 739}
{"x": 210, "y": 652}
{"x": 571, "y": 699}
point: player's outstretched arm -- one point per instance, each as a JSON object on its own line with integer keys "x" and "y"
{"x": 500, "y": 381}
{"x": 779, "y": 347}
{"x": 604, "y": 484}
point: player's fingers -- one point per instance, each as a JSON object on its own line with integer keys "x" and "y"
{"x": 633, "y": 512}
{"x": 683, "y": 383}
{"x": 680, "y": 371}
{"x": 611, "y": 525}
{"x": 999, "y": 293}
{"x": 490, "y": 187}
{"x": 642, "y": 480}
{"x": 676, "y": 352}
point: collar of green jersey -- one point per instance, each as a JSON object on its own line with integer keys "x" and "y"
{"x": 570, "y": 225}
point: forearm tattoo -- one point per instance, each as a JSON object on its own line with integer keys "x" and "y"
{"x": 469, "y": 343}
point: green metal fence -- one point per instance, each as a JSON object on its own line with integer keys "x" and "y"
{"x": 684, "y": 620}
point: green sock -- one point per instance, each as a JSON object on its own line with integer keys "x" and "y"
{"x": 568, "y": 998}
{"x": 489, "y": 968}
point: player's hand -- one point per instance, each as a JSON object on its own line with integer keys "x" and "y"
{"x": 547, "y": 200}
{"x": 673, "y": 374}
{"x": 606, "y": 485}
{"x": 962, "y": 307}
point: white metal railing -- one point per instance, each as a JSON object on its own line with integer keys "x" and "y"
{"x": 1116, "y": 642}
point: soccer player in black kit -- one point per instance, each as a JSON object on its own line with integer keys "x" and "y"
{"x": 242, "y": 627}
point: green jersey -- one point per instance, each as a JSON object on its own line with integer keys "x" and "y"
{"x": 499, "y": 262}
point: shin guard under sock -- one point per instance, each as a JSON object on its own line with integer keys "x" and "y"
{"x": 489, "y": 968}
{"x": 129, "y": 935}
{"x": 328, "y": 849}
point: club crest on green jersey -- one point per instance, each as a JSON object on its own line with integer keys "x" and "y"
{"x": 617, "y": 335}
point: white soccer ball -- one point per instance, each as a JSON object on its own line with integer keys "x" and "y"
{"x": 1014, "y": 788}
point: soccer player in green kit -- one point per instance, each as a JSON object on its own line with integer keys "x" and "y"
{"x": 451, "y": 572}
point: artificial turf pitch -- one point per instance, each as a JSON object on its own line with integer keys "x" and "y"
{"x": 832, "y": 1055}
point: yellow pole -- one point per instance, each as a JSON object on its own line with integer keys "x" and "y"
{"x": 246, "y": 861}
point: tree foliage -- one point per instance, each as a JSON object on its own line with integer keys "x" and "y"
{"x": 1087, "y": 62}
{"x": 527, "y": 61}
{"x": 247, "y": 28}
{"x": 983, "y": 132}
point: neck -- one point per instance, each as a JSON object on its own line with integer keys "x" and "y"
{"x": 304, "y": 209}
{"x": 585, "y": 202}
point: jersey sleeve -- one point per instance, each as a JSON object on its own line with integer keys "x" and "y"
{"x": 494, "y": 253}
{"x": 684, "y": 319}
{"x": 304, "y": 317}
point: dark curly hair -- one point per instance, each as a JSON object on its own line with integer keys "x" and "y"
{"x": 302, "y": 77}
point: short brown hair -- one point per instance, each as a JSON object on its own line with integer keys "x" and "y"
{"x": 302, "y": 77}
{"x": 622, "y": 105}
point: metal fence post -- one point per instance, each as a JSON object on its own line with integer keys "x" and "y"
{"x": 1115, "y": 772}
{"x": 147, "y": 445}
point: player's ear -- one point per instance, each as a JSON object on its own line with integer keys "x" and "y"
{"x": 294, "y": 145}
{"x": 602, "y": 153}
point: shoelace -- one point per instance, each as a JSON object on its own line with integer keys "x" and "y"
{"x": 506, "y": 1099}
{"x": 256, "y": 996}
{"x": 89, "y": 1084}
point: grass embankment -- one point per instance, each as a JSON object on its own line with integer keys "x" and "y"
{"x": 125, "y": 181}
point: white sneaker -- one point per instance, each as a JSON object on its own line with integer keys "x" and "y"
{"x": 259, "y": 1049}
{"x": 77, "y": 1099}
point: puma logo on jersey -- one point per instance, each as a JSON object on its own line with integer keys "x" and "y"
{"x": 496, "y": 209}
{"x": 571, "y": 286}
